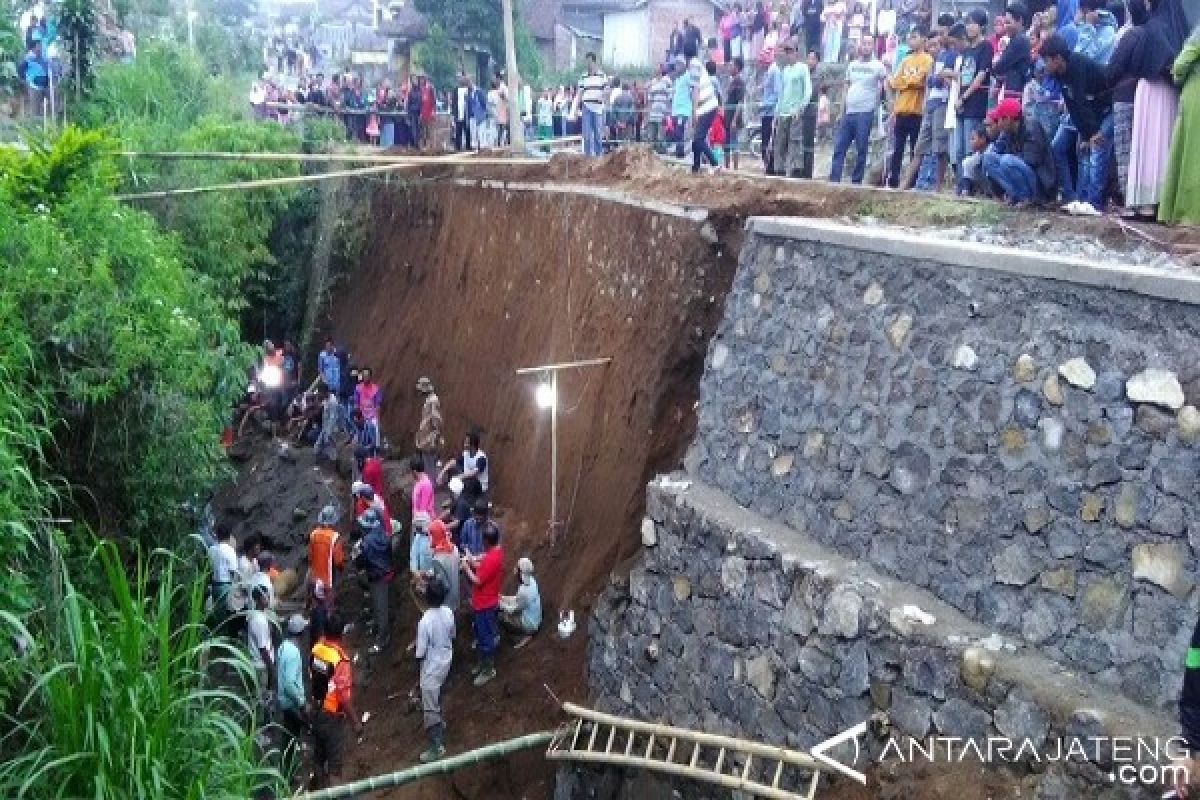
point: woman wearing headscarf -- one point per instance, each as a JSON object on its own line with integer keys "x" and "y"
{"x": 1155, "y": 105}
{"x": 1139, "y": 51}
{"x": 1180, "y": 199}
{"x": 445, "y": 561}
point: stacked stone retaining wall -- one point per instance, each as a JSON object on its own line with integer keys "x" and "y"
{"x": 1014, "y": 433}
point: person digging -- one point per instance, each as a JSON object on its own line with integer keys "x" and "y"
{"x": 522, "y": 613}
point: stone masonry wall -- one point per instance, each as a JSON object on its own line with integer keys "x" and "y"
{"x": 1021, "y": 446}
{"x": 737, "y": 625}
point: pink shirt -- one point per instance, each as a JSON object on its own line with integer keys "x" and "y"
{"x": 366, "y": 397}
{"x": 422, "y": 496}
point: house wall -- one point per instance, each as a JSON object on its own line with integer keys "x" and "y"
{"x": 663, "y": 14}
{"x": 626, "y": 39}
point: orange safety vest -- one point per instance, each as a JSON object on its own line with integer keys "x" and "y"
{"x": 330, "y": 666}
{"x": 324, "y": 553}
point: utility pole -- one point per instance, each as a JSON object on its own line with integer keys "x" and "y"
{"x": 516, "y": 126}
{"x": 191, "y": 33}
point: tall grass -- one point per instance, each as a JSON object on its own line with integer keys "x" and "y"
{"x": 119, "y": 703}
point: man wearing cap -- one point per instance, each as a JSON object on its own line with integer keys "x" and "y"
{"x": 522, "y": 613}
{"x": 435, "y": 651}
{"x": 364, "y": 498}
{"x": 484, "y": 573}
{"x": 376, "y": 561}
{"x": 429, "y": 439}
{"x": 325, "y": 555}
{"x": 472, "y": 535}
{"x": 1020, "y": 162}
{"x": 289, "y": 683}
{"x": 332, "y": 681}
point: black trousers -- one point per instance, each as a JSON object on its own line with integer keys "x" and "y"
{"x": 809, "y": 133}
{"x": 768, "y": 125}
{"x": 462, "y": 134}
{"x": 908, "y": 128}
{"x": 414, "y": 125}
{"x": 700, "y": 148}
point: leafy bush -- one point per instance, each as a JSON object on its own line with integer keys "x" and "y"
{"x": 119, "y": 704}
{"x": 152, "y": 103}
{"x": 136, "y": 352}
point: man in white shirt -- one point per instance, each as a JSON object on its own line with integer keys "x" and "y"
{"x": 864, "y": 86}
{"x": 223, "y": 562}
{"x": 591, "y": 97}
{"x": 258, "y": 642}
{"x": 435, "y": 651}
{"x": 460, "y": 109}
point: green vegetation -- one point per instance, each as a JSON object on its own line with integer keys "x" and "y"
{"x": 121, "y": 351}
{"x": 123, "y": 706}
{"x": 435, "y": 56}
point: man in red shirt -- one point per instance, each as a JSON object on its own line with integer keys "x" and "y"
{"x": 485, "y": 573}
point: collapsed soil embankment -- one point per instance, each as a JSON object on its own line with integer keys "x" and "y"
{"x": 466, "y": 285}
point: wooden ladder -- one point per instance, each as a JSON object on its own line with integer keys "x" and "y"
{"x": 757, "y": 769}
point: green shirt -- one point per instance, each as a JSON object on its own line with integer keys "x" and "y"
{"x": 290, "y": 677}
{"x": 797, "y": 89}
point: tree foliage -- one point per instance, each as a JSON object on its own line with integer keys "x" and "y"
{"x": 467, "y": 21}
{"x": 435, "y": 56}
{"x": 78, "y": 33}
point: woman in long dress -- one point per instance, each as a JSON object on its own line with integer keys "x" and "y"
{"x": 1155, "y": 105}
{"x": 1180, "y": 198}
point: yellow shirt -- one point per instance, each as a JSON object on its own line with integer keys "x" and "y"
{"x": 909, "y": 83}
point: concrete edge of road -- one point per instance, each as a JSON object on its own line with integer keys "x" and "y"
{"x": 1168, "y": 284}
{"x": 598, "y": 192}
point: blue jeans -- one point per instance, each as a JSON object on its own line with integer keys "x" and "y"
{"x": 1064, "y": 147}
{"x": 593, "y": 133}
{"x": 1094, "y": 164}
{"x": 854, "y": 127}
{"x": 484, "y": 624}
{"x": 1014, "y": 177}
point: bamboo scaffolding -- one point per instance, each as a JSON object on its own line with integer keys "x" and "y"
{"x": 443, "y": 767}
{"x": 264, "y": 183}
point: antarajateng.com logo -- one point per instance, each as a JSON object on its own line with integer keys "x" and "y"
{"x": 1131, "y": 760}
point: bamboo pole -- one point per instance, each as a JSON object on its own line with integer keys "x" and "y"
{"x": 359, "y": 158}
{"x": 443, "y": 767}
{"x": 264, "y": 183}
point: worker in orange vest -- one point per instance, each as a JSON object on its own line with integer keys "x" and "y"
{"x": 332, "y": 680}
{"x": 325, "y": 556}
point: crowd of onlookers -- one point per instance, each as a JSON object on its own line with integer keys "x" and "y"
{"x": 1077, "y": 105}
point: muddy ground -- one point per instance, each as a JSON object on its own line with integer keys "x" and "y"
{"x": 465, "y": 286}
